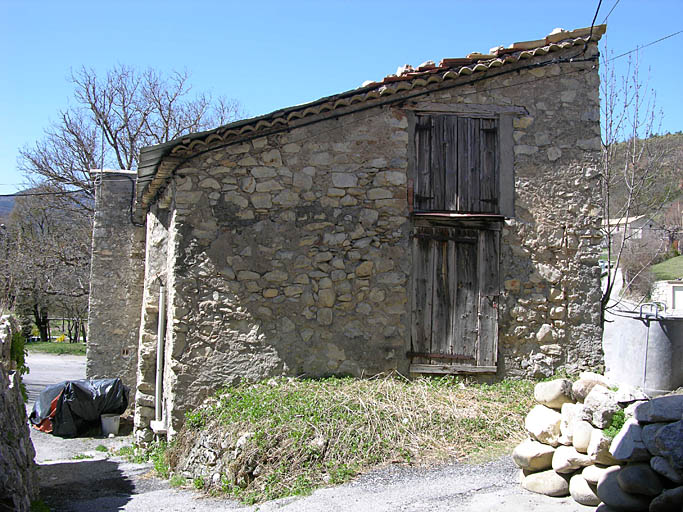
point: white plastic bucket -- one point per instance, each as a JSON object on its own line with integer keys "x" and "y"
{"x": 110, "y": 424}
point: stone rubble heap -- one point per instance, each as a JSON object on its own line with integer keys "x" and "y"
{"x": 18, "y": 481}
{"x": 570, "y": 453}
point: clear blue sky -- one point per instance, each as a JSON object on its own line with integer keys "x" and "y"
{"x": 273, "y": 54}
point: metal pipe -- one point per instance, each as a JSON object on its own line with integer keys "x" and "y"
{"x": 161, "y": 330}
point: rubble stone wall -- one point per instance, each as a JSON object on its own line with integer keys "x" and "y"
{"x": 18, "y": 479}
{"x": 293, "y": 250}
{"x": 115, "y": 281}
{"x": 160, "y": 251}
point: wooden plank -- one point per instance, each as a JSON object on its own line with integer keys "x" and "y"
{"x": 422, "y": 297}
{"x": 441, "y": 306}
{"x": 451, "y": 163}
{"x": 463, "y": 166}
{"x": 506, "y": 157}
{"x": 464, "y": 322}
{"x": 489, "y": 291}
{"x": 473, "y": 157}
{"x": 488, "y": 156}
{"x": 470, "y": 109}
{"x": 438, "y": 163}
{"x": 451, "y": 368}
{"x": 423, "y": 177}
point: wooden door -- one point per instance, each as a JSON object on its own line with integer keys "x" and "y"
{"x": 455, "y": 299}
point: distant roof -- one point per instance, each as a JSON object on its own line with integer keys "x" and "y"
{"x": 151, "y": 178}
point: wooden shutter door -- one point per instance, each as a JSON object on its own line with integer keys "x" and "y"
{"x": 457, "y": 164}
{"x": 454, "y": 326}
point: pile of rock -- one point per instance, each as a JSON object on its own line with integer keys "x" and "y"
{"x": 571, "y": 451}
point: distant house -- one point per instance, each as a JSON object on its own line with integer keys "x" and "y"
{"x": 637, "y": 228}
{"x": 441, "y": 220}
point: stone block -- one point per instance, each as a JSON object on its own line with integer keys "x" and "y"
{"x": 532, "y": 455}
{"x": 669, "y": 501}
{"x": 639, "y": 479}
{"x": 664, "y": 468}
{"x": 628, "y": 443}
{"x": 648, "y": 433}
{"x": 566, "y": 460}
{"x": 543, "y": 424}
{"x": 669, "y": 441}
{"x": 553, "y": 393}
{"x": 586, "y": 382}
{"x": 547, "y": 482}
{"x": 582, "y": 436}
{"x": 611, "y": 494}
{"x": 571, "y": 413}
{"x": 600, "y": 405}
{"x": 592, "y": 474}
{"x": 663, "y": 408}
{"x": 581, "y": 491}
{"x": 599, "y": 448}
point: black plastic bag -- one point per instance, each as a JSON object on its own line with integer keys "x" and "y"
{"x": 74, "y": 406}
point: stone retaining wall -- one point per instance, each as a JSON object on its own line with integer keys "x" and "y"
{"x": 18, "y": 480}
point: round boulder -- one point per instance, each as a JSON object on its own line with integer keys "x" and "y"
{"x": 546, "y": 482}
{"x": 543, "y": 424}
{"x": 639, "y": 479}
{"x": 532, "y": 455}
{"x": 611, "y": 493}
{"x": 582, "y": 492}
{"x": 554, "y": 393}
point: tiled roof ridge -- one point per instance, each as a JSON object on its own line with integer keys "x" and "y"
{"x": 558, "y": 35}
{"x": 408, "y": 79}
{"x": 425, "y": 74}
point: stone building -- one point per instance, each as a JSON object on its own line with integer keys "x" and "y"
{"x": 442, "y": 220}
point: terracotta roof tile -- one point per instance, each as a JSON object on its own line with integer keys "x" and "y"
{"x": 405, "y": 79}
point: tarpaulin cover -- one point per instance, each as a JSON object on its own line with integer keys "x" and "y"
{"x": 70, "y": 408}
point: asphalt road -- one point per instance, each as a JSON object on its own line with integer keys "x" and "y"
{"x": 97, "y": 481}
{"x": 46, "y": 369}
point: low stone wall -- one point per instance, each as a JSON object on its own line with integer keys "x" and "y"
{"x": 570, "y": 451}
{"x": 18, "y": 481}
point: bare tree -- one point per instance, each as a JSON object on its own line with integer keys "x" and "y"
{"x": 632, "y": 167}
{"x": 112, "y": 118}
{"x": 48, "y": 237}
{"x": 48, "y": 263}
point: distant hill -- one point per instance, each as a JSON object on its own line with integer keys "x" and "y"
{"x": 665, "y": 152}
{"x": 6, "y": 205}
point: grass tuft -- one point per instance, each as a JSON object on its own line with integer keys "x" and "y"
{"x": 288, "y": 436}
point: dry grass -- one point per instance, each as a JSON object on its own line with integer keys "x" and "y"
{"x": 308, "y": 433}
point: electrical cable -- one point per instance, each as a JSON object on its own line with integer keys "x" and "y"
{"x": 638, "y": 48}
{"x": 610, "y": 11}
{"x": 590, "y": 34}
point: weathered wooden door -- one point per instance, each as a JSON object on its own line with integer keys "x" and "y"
{"x": 455, "y": 299}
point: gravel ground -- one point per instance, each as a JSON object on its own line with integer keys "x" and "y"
{"x": 103, "y": 482}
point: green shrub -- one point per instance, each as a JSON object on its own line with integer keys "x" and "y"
{"x": 618, "y": 421}
{"x": 18, "y": 354}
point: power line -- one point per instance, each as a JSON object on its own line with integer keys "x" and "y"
{"x": 644, "y": 46}
{"x": 24, "y": 194}
{"x": 590, "y": 34}
{"x": 610, "y": 11}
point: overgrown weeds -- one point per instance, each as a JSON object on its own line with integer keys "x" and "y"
{"x": 288, "y": 436}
